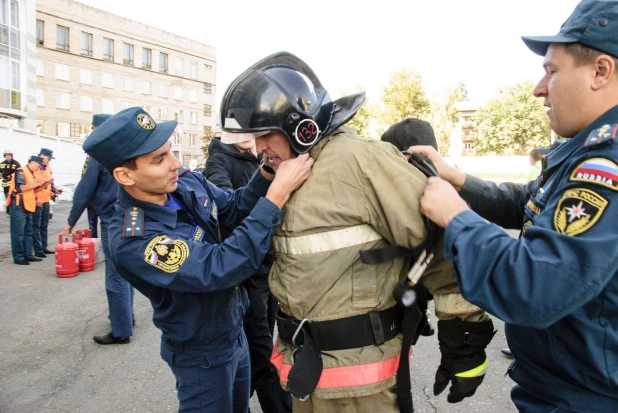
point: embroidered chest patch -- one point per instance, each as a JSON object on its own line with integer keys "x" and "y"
{"x": 598, "y": 171}
{"x": 578, "y": 210}
{"x": 166, "y": 254}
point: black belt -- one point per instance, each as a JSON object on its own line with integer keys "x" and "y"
{"x": 370, "y": 329}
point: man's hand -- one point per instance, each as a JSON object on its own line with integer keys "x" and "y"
{"x": 447, "y": 172}
{"x": 38, "y": 203}
{"x": 441, "y": 202}
{"x": 291, "y": 174}
{"x": 67, "y": 228}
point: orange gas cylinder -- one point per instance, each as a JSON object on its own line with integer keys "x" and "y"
{"x": 85, "y": 252}
{"x": 67, "y": 263}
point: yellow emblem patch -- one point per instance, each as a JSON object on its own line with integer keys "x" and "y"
{"x": 525, "y": 227}
{"x": 166, "y": 254}
{"x": 578, "y": 210}
{"x": 145, "y": 121}
{"x": 85, "y": 168}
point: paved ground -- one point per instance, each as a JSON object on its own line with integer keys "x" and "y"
{"x": 49, "y": 362}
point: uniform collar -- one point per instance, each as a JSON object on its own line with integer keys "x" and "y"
{"x": 315, "y": 151}
{"x": 165, "y": 215}
{"x": 555, "y": 158}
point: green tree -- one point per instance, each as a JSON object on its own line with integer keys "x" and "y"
{"x": 512, "y": 123}
{"x": 206, "y": 138}
{"x": 403, "y": 97}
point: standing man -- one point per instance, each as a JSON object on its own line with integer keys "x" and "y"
{"x": 22, "y": 200}
{"x": 41, "y": 216}
{"x": 556, "y": 287}
{"x": 93, "y": 219}
{"x": 99, "y": 188}
{"x": 7, "y": 169}
{"x": 339, "y": 342}
{"x": 165, "y": 239}
{"x": 230, "y": 166}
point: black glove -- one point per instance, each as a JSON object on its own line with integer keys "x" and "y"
{"x": 464, "y": 362}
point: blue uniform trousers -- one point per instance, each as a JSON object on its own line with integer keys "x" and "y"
{"x": 209, "y": 385}
{"x": 93, "y": 221}
{"x": 21, "y": 232}
{"x": 119, "y": 293}
{"x": 40, "y": 222}
{"x": 529, "y": 403}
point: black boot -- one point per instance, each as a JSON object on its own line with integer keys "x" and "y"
{"x": 110, "y": 339}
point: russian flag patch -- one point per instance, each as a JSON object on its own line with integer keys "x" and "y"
{"x": 598, "y": 171}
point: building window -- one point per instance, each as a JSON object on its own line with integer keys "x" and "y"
{"x": 193, "y": 70}
{"x": 207, "y": 130}
{"x": 40, "y": 67}
{"x": 178, "y": 66}
{"x": 208, "y": 88}
{"x": 146, "y": 59}
{"x": 193, "y": 96}
{"x": 178, "y": 139}
{"x": 163, "y": 63}
{"x": 127, "y": 54}
{"x": 207, "y": 66}
{"x": 124, "y": 105}
{"x": 107, "y": 106}
{"x": 146, "y": 87}
{"x": 163, "y": 91}
{"x": 107, "y": 80}
{"x": 146, "y": 108}
{"x": 178, "y": 93}
{"x": 63, "y": 101}
{"x": 178, "y": 115}
{"x": 10, "y": 55}
{"x": 192, "y": 139}
{"x": 108, "y": 49}
{"x": 63, "y": 129}
{"x": 63, "y": 72}
{"x": 86, "y": 44}
{"x": 40, "y": 32}
{"x": 85, "y": 103}
{"x": 85, "y": 76}
{"x": 76, "y": 130}
{"x": 62, "y": 38}
{"x": 162, "y": 114}
{"x": 207, "y": 110}
{"x": 40, "y": 97}
{"x": 193, "y": 118}
{"x": 127, "y": 84}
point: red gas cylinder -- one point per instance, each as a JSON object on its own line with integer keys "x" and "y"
{"x": 67, "y": 263}
{"x": 85, "y": 252}
{"x": 87, "y": 233}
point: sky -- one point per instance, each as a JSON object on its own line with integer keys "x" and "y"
{"x": 356, "y": 45}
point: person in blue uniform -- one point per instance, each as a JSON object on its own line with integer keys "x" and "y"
{"x": 556, "y": 287}
{"x": 165, "y": 239}
{"x": 98, "y": 188}
{"x": 93, "y": 218}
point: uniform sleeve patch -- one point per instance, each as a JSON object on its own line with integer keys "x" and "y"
{"x": 598, "y": 171}
{"x": 578, "y": 210}
{"x": 85, "y": 168}
{"x": 166, "y": 254}
{"x": 604, "y": 134}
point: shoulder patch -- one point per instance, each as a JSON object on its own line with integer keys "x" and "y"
{"x": 578, "y": 210}
{"x": 133, "y": 222}
{"x": 605, "y": 133}
{"x": 21, "y": 175}
{"x": 85, "y": 168}
{"x": 183, "y": 170}
{"x": 166, "y": 254}
{"x": 597, "y": 171}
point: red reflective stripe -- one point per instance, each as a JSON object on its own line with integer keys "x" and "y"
{"x": 345, "y": 376}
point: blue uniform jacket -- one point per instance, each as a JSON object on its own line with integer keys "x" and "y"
{"x": 191, "y": 278}
{"x": 556, "y": 287}
{"x": 98, "y": 187}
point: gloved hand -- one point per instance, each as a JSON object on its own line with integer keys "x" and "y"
{"x": 464, "y": 361}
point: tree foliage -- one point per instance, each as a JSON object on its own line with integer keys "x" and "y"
{"x": 403, "y": 97}
{"x": 512, "y": 123}
{"x": 444, "y": 115}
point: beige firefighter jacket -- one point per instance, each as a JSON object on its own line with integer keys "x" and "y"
{"x": 362, "y": 194}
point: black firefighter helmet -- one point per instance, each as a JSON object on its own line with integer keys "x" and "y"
{"x": 281, "y": 92}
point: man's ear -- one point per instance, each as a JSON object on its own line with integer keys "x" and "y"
{"x": 605, "y": 67}
{"x": 124, "y": 176}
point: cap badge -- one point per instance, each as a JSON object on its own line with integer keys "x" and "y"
{"x": 145, "y": 122}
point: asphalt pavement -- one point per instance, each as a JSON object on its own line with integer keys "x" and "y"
{"x": 49, "y": 362}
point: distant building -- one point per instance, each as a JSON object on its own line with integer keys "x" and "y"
{"x": 17, "y": 65}
{"x": 462, "y": 136}
{"x": 91, "y": 61}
